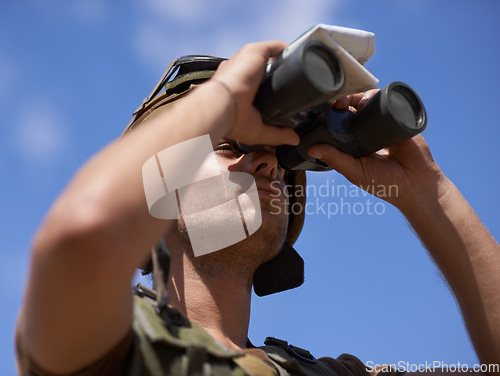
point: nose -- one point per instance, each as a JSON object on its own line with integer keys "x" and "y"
{"x": 263, "y": 161}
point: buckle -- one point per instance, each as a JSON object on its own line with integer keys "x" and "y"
{"x": 184, "y": 64}
{"x": 295, "y": 351}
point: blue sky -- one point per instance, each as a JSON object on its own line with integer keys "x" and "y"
{"x": 71, "y": 74}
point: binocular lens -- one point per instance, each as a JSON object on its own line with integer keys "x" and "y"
{"x": 406, "y": 108}
{"x": 323, "y": 72}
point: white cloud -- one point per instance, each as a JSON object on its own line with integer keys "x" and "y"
{"x": 153, "y": 46}
{"x": 86, "y": 11}
{"x": 287, "y": 19}
{"x": 40, "y": 133}
{"x": 168, "y": 29}
{"x": 185, "y": 10}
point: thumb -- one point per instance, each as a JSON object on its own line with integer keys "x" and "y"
{"x": 340, "y": 161}
{"x": 271, "y": 135}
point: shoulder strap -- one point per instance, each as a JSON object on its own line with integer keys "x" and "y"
{"x": 295, "y": 359}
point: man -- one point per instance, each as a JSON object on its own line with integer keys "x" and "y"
{"x": 79, "y": 315}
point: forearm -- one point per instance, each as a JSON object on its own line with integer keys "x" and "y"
{"x": 107, "y": 195}
{"x": 100, "y": 229}
{"x": 468, "y": 257}
{"x": 97, "y": 233}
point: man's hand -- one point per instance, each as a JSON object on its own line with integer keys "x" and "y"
{"x": 242, "y": 76}
{"x": 461, "y": 246}
{"x": 408, "y": 165}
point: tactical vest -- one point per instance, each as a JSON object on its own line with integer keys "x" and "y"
{"x": 168, "y": 344}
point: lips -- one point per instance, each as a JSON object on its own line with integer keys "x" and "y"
{"x": 269, "y": 189}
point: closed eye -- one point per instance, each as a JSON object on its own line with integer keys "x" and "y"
{"x": 228, "y": 150}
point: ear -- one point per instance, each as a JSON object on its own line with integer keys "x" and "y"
{"x": 283, "y": 272}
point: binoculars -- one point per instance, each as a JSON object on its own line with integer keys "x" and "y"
{"x": 297, "y": 92}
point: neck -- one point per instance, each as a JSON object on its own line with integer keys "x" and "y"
{"x": 218, "y": 303}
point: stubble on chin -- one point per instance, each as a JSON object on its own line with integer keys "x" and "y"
{"x": 238, "y": 261}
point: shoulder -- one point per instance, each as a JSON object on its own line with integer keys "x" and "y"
{"x": 114, "y": 362}
{"x": 167, "y": 341}
{"x": 285, "y": 354}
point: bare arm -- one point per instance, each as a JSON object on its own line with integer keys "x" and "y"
{"x": 98, "y": 231}
{"x": 78, "y": 302}
{"x": 469, "y": 258}
{"x": 461, "y": 246}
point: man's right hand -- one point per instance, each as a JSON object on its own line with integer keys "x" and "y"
{"x": 241, "y": 76}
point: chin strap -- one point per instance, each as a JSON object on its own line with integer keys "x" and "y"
{"x": 160, "y": 257}
{"x": 283, "y": 272}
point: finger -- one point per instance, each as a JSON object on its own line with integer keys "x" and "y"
{"x": 366, "y": 97}
{"x": 274, "y": 47}
{"x": 342, "y": 162}
{"x": 271, "y": 135}
{"x": 249, "y": 63}
{"x": 408, "y": 151}
{"x": 342, "y": 103}
{"x": 266, "y": 49}
{"x": 355, "y": 99}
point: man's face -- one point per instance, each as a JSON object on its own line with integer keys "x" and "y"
{"x": 243, "y": 256}
{"x": 263, "y": 166}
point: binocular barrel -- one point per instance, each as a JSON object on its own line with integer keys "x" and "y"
{"x": 297, "y": 91}
{"x": 298, "y": 80}
{"x": 394, "y": 114}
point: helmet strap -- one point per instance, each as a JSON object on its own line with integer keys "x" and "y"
{"x": 283, "y": 272}
{"x": 160, "y": 257}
